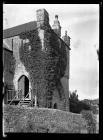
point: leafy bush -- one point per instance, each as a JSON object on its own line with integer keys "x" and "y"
{"x": 91, "y": 122}
{"x": 73, "y": 96}
{"x": 77, "y": 106}
{"x": 94, "y": 109}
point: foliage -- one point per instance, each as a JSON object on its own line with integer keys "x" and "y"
{"x": 77, "y": 106}
{"x": 73, "y": 96}
{"x": 94, "y": 109}
{"x": 91, "y": 122}
{"x": 93, "y": 104}
{"x": 45, "y": 65}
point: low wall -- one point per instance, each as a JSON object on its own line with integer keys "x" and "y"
{"x": 41, "y": 120}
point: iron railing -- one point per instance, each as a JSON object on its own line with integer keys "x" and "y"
{"x": 22, "y": 99}
{"x": 12, "y": 99}
{"x": 15, "y": 97}
{"x": 10, "y": 94}
{"x": 31, "y": 104}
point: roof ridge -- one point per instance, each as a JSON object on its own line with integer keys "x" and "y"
{"x": 14, "y": 31}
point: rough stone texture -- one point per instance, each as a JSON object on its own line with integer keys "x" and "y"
{"x": 42, "y": 120}
{"x": 8, "y": 72}
{"x": 8, "y": 66}
{"x": 42, "y": 18}
{"x": 42, "y": 56}
{"x": 46, "y": 63}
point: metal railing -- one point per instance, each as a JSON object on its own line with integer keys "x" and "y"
{"x": 22, "y": 99}
{"x": 31, "y": 104}
{"x": 11, "y": 94}
{"x": 13, "y": 99}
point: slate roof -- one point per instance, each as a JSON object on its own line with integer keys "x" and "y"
{"x": 7, "y": 49}
{"x": 14, "y": 31}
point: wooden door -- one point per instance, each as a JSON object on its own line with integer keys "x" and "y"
{"x": 21, "y": 86}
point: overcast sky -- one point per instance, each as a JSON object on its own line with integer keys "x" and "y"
{"x": 82, "y": 23}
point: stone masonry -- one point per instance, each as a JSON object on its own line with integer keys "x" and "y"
{"x": 43, "y": 57}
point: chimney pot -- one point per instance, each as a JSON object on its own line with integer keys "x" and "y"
{"x": 42, "y": 17}
{"x": 56, "y": 16}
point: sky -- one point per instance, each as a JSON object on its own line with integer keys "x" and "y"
{"x": 82, "y": 24}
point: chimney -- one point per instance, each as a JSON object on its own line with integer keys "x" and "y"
{"x": 66, "y": 39}
{"x": 42, "y": 18}
{"x": 56, "y": 26}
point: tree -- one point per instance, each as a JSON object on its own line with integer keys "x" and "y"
{"x": 73, "y": 96}
{"x": 76, "y": 106}
{"x": 73, "y": 102}
{"x": 93, "y": 104}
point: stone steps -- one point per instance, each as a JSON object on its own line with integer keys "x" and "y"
{"x": 24, "y": 102}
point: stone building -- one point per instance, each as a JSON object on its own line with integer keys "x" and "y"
{"x": 36, "y": 64}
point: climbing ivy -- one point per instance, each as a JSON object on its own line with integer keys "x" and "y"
{"x": 45, "y": 67}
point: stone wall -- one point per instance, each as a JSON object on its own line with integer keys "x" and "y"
{"x": 42, "y": 56}
{"x": 8, "y": 66}
{"x": 42, "y": 120}
{"x": 46, "y": 64}
{"x": 8, "y": 72}
{"x": 19, "y": 67}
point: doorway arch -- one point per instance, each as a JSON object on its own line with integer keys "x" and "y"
{"x": 23, "y": 86}
{"x": 55, "y": 106}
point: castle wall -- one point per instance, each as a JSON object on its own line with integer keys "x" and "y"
{"x": 8, "y": 67}
{"x": 65, "y": 84}
{"x": 60, "y": 104}
{"x": 46, "y": 64}
{"x": 42, "y": 56}
{"x": 8, "y": 72}
{"x": 19, "y": 67}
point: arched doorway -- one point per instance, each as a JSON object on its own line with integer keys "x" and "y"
{"x": 55, "y": 106}
{"x": 23, "y": 86}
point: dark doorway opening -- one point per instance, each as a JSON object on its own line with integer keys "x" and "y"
{"x": 55, "y": 106}
{"x": 26, "y": 87}
{"x": 23, "y": 86}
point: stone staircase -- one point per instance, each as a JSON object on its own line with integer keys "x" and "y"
{"x": 25, "y": 102}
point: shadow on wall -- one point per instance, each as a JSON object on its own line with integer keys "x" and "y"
{"x": 55, "y": 106}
